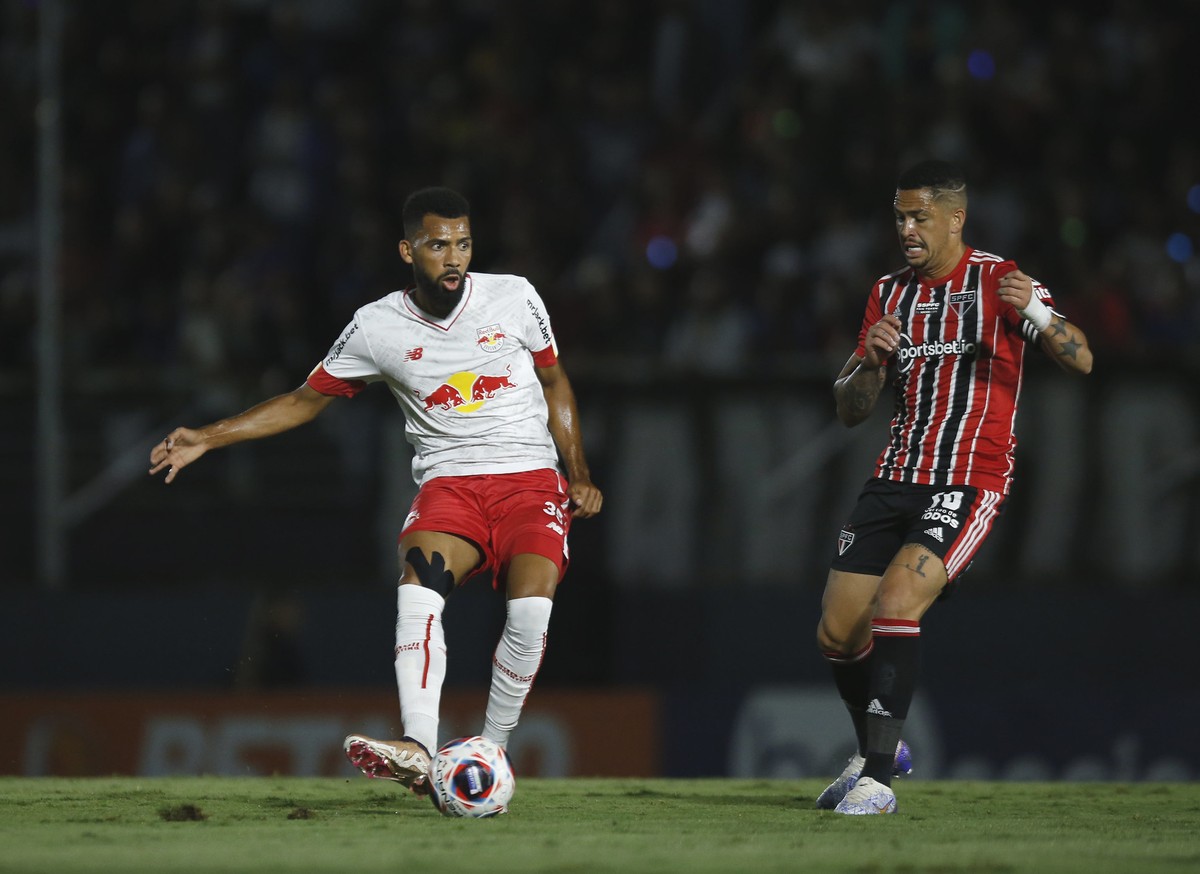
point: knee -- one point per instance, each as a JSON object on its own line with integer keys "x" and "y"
{"x": 841, "y": 639}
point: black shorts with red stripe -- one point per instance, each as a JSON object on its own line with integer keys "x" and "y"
{"x": 952, "y": 522}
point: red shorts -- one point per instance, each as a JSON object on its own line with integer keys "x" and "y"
{"x": 503, "y": 514}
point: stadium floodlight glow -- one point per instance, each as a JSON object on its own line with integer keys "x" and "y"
{"x": 981, "y": 64}
{"x": 662, "y": 252}
{"x": 1179, "y": 247}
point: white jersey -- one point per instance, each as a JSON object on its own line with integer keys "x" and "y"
{"x": 467, "y": 384}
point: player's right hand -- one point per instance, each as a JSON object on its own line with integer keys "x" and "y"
{"x": 176, "y": 451}
{"x": 882, "y": 339}
{"x": 586, "y": 498}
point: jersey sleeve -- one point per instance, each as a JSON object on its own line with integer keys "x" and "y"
{"x": 539, "y": 336}
{"x": 872, "y": 314}
{"x": 348, "y": 367}
{"x": 1014, "y": 319}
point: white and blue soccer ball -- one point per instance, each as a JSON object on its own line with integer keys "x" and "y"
{"x": 472, "y": 777}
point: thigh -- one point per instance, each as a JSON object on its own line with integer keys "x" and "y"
{"x": 442, "y": 553}
{"x": 530, "y": 575}
{"x": 912, "y": 582}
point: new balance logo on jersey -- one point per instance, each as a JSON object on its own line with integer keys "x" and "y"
{"x": 877, "y": 708}
{"x": 414, "y": 354}
{"x": 935, "y": 533}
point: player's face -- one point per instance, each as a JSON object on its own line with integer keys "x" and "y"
{"x": 440, "y": 253}
{"x": 930, "y": 231}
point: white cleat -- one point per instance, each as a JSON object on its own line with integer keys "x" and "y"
{"x": 867, "y": 798}
{"x": 836, "y": 791}
{"x": 404, "y": 761}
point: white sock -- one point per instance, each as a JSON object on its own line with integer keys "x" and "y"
{"x": 420, "y": 661}
{"x": 515, "y": 664}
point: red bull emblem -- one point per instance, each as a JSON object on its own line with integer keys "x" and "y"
{"x": 466, "y": 392}
{"x": 445, "y": 396}
{"x": 490, "y": 338}
{"x": 486, "y": 386}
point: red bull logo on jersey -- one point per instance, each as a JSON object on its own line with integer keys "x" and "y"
{"x": 490, "y": 338}
{"x": 466, "y": 392}
{"x": 910, "y": 351}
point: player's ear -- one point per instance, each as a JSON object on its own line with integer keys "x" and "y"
{"x": 405, "y": 248}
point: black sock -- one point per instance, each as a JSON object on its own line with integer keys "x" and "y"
{"x": 894, "y": 666}
{"x": 852, "y": 676}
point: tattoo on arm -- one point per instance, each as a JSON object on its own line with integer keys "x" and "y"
{"x": 861, "y": 399}
{"x": 1063, "y": 339}
{"x": 1070, "y": 348}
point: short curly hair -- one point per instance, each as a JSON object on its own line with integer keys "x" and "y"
{"x": 444, "y": 202}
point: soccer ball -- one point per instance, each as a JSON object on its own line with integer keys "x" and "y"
{"x": 472, "y": 777}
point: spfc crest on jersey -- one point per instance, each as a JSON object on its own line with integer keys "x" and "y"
{"x": 961, "y": 301}
{"x": 845, "y": 539}
{"x": 490, "y": 338}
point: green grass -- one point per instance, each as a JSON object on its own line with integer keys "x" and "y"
{"x": 178, "y": 825}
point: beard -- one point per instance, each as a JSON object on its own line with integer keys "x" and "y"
{"x": 440, "y": 300}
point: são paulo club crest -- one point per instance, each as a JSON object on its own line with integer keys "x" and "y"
{"x": 490, "y": 338}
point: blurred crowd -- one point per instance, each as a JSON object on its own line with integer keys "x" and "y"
{"x": 692, "y": 185}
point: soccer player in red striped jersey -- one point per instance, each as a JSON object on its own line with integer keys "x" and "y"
{"x": 949, "y": 332}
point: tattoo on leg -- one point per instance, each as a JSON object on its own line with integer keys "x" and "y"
{"x": 919, "y": 569}
{"x": 922, "y": 558}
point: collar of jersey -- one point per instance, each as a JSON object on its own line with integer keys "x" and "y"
{"x": 447, "y": 323}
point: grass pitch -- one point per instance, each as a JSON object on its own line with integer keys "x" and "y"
{"x": 284, "y": 824}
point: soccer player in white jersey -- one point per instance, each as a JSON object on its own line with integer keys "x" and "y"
{"x": 471, "y": 358}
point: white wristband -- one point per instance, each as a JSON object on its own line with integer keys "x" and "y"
{"x": 1037, "y": 313}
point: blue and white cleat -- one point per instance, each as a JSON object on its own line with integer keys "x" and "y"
{"x": 836, "y": 791}
{"x": 867, "y": 798}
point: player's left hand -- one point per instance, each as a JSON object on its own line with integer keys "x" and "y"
{"x": 586, "y": 498}
{"x": 1016, "y": 288}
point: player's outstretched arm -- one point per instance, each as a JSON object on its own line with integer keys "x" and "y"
{"x": 281, "y": 413}
{"x": 1064, "y": 342}
{"x": 564, "y": 428}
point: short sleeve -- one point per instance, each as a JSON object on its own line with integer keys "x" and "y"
{"x": 872, "y": 314}
{"x": 348, "y": 367}
{"x": 539, "y": 334}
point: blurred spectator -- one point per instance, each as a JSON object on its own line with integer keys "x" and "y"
{"x": 232, "y": 167}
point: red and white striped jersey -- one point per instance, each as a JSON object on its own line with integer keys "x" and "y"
{"x": 956, "y": 374}
{"x": 467, "y": 383}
